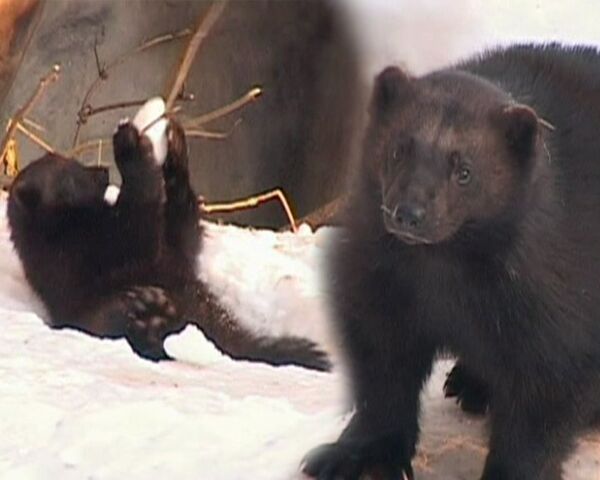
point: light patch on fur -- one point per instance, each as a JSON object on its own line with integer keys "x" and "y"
{"x": 157, "y": 133}
{"x": 111, "y": 194}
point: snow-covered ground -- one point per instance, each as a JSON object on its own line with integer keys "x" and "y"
{"x": 74, "y": 407}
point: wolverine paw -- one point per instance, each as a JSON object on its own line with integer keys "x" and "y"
{"x": 471, "y": 393}
{"x": 176, "y": 163}
{"x": 152, "y": 316}
{"x": 129, "y": 147}
{"x": 349, "y": 461}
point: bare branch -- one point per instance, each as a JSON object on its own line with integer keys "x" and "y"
{"x": 204, "y": 25}
{"x": 326, "y": 214}
{"x": 252, "y": 202}
{"x": 85, "y": 146}
{"x": 83, "y": 113}
{"x": 17, "y": 118}
{"x": 248, "y": 97}
{"x": 113, "y": 106}
{"x": 201, "y": 133}
{"x": 35, "y": 139}
{"x": 198, "y": 133}
{"x": 30, "y": 123}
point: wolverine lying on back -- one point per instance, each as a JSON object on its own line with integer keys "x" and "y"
{"x": 474, "y": 227}
{"x": 129, "y": 269}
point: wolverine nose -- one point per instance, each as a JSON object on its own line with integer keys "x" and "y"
{"x": 409, "y": 216}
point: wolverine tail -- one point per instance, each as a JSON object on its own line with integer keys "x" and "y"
{"x": 240, "y": 343}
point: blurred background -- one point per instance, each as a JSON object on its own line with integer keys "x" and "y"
{"x": 313, "y": 60}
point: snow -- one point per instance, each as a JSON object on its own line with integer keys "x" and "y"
{"x": 277, "y": 289}
{"x": 149, "y": 121}
{"x": 111, "y": 194}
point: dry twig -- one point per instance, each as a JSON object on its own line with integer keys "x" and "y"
{"x": 83, "y": 113}
{"x": 17, "y": 118}
{"x": 91, "y": 111}
{"x": 252, "y": 202}
{"x": 204, "y": 25}
{"x": 32, "y": 124}
{"x": 201, "y": 133}
{"x": 245, "y": 99}
{"x": 326, "y": 214}
{"x": 89, "y": 145}
{"x": 35, "y": 139}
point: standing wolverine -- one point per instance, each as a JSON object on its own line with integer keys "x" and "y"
{"x": 474, "y": 227}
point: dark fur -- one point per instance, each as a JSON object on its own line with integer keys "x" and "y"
{"x": 502, "y": 271}
{"x": 128, "y": 270}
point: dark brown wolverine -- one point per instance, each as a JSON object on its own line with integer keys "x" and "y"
{"x": 128, "y": 270}
{"x": 474, "y": 227}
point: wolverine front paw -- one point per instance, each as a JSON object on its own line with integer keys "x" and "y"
{"x": 349, "y": 461}
{"x": 152, "y": 316}
{"x": 176, "y": 162}
{"x": 471, "y": 393}
{"x": 130, "y": 148}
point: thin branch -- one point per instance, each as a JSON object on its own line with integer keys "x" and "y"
{"x": 85, "y": 146}
{"x": 17, "y": 118}
{"x": 197, "y": 133}
{"x": 245, "y": 99}
{"x": 201, "y": 133}
{"x": 101, "y": 70}
{"x": 326, "y": 214}
{"x": 204, "y": 25}
{"x": 546, "y": 124}
{"x": 167, "y": 37}
{"x": 252, "y": 202}
{"x": 84, "y": 109}
{"x": 30, "y": 123}
{"x": 35, "y": 139}
{"x": 113, "y": 106}
{"x": 99, "y": 162}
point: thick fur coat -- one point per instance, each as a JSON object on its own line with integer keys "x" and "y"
{"x": 128, "y": 269}
{"x": 474, "y": 228}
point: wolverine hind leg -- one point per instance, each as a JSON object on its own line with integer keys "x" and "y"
{"x": 144, "y": 315}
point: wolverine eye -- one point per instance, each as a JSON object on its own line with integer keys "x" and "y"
{"x": 463, "y": 176}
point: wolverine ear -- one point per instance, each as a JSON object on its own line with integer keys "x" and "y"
{"x": 520, "y": 125}
{"x": 392, "y": 86}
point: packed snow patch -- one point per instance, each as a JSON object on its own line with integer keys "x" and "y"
{"x": 75, "y": 407}
{"x": 150, "y": 122}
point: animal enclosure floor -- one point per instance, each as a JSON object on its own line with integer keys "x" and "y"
{"x": 75, "y": 407}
